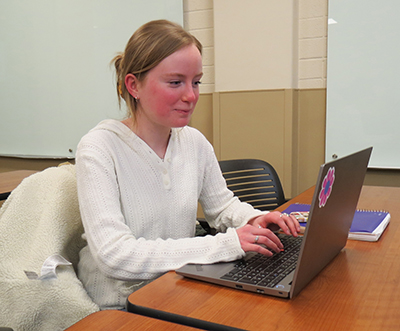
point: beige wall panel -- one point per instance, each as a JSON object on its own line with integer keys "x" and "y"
{"x": 383, "y": 177}
{"x": 310, "y": 136}
{"x": 252, "y": 126}
{"x": 202, "y": 118}
{"x": 295, "y": 144}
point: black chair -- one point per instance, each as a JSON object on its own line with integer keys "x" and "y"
{"x": 253, "y": 181}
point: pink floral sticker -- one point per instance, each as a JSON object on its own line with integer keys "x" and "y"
{"x": 326, "y": 187}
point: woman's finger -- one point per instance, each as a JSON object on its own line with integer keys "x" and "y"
{"x": 289, "y": 224}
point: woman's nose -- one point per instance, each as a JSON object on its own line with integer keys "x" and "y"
{"x": 190, "y": 94}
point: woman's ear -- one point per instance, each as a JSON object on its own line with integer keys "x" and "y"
{"x": 132, "y": 83}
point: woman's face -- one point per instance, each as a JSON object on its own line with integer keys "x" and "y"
{"x": 168, "y": 94}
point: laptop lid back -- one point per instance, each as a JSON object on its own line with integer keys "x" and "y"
{"x": 331, "y": 213}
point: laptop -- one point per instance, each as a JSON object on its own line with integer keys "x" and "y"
{"x": 332, "y": 210}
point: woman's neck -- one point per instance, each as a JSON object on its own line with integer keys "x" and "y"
{"x": 156, "y": 139}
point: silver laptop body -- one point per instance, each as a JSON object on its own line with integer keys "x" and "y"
{"x": 332, "y": 210}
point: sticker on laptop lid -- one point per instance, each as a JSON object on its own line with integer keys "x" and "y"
{"x": 326, "y": 189}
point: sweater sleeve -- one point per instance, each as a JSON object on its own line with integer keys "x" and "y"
{"x": 116, "y": 251}
{"x": 221, "y": 208}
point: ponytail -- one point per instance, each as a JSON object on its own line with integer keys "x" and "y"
{"x": 117, "y": 61}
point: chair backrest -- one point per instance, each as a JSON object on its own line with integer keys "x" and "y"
{"x": 254, "y": 181}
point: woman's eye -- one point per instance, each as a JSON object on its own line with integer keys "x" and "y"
{"x": 175, "y": 82}
{"x": 197, "y": 83}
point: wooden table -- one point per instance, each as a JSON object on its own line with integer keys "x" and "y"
{"x": 10, "y": 180}
{"x": 358, "y": 290}
{"x": 116, "y": 320}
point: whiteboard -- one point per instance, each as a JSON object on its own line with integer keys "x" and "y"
{"x": 363, "y": 79}
{"x": 56, "y": 82}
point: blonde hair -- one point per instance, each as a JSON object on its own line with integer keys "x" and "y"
{"x": 148, "y": 46}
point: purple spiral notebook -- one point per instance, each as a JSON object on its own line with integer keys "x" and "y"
{"x": 367, "y": 225}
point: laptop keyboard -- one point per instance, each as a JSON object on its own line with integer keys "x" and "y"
{"x": 267, "y": 271}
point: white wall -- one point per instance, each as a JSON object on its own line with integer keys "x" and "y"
{"x": 308, "y": 48}
{"x": 312, "y": 49}
{"x": 254, "y": 48}
{"x": 198, "y": 19}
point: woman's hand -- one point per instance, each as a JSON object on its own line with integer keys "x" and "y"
{"x": 259, "y": 232}
{"x": 275, "y": 221}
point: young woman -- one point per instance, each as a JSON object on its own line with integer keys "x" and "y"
{"x": 140, "y": 179}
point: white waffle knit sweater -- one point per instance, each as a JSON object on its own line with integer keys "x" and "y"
{"x": 139, "y": 211}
